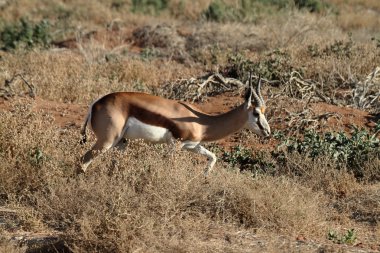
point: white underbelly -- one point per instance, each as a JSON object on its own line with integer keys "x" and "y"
{"x": 135, "y": 129}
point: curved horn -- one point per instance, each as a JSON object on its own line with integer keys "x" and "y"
{"x": 248, "y": 94}
{"x": 258, "y": 92}
{"x": 254, "y": 93}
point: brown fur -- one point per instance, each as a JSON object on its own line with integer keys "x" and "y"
{"x": 184, "y": 121}
{"x": 110, "y": 114}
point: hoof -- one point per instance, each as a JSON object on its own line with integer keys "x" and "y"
{"x": 80, "y": 171}
{"x": 206, "y": 172}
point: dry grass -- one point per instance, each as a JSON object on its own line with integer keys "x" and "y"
{"x": 66, "y": 76}
{"x": 144, "y": 200}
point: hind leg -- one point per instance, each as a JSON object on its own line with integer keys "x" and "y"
{"x": 99, "y": 148}
{"x": 107, "y": 125}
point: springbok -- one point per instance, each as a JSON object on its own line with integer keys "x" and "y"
{"x": 120, "y": 116}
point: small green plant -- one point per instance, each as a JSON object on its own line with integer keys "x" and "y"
{"x": 274, "y": 66}
{"x": 242, "y": 11}
{"x": 238, "y": 156}
{"x": 219, "y": 11}
{"x": 340, "y": 49}
{"x": 250, "y": 11}
{"x": 245, "y": 159}
{"x": 25, "y": 33}
{"x": 37, "y": 157}
{"x": 348, "y": 238}
{"x": 310, "y": 5}
{"x": 150, "y": 7}
{"x": 148, "y": 53}
{"x": 237, "y": 66}
{"x": 352, "y": 150}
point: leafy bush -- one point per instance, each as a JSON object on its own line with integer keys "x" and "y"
{"x": 348, "y": 238}
{"x": 311, "y": 5}
{"x": 246, "y": 159}
{"x": 152, "y": 7}
{"x": 243, "y": 11}
{"x": 249, "y": 11}
{"x": 274, "y": 66}
{"x": 219, "y": 11}
{"x": 339, "y": 49}
{"x": 350, "y": 150}
{"x": 25, "y": 33}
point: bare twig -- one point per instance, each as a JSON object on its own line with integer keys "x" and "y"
{"x": 297, "y": 122}
{"x": 8, "y": 91}
{"x": 366, "y": 93}
{"x": 196, "y": 89}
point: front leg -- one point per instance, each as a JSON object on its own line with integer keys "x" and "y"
{"x": 196, "y": 147}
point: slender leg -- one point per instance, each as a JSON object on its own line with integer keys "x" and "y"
{"x": 97, "y": 149}
{"x": 197, "y": 148}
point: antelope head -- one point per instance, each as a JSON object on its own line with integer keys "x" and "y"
{"x": 255, "y": 106}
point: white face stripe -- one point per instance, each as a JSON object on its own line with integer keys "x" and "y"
{"x": 258, "y": 123}
{"x": 136, "y": 129}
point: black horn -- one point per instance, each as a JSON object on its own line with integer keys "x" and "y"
{"x": 256, "y": 97}
{"x": 258, "y": 92}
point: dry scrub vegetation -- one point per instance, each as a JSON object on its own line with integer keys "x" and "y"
{"x": 313, "y": 188}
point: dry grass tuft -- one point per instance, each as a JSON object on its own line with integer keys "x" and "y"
{"x": 10, "y": 247}
{"x": 66, "y": 76}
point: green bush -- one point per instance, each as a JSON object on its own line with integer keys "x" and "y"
{"x": 275, "y": 65}
{"x": 249, "y": 11}
{"x": 219, "y": 11}
{"x": 247, "y": 160}
{"x": 311, "y": 5}
{"x": 25, "y": 33}
{"x": 348, "y": 238}
{"x": 338, "y": 49}
{"x": 244, "y": 11}
{"x": 352, "y": 151}
{"x": 152, "y": 7}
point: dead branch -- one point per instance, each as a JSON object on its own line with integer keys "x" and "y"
{"x": 366, "y": 93}
{"x": 8, "y": 92}
{"x": 196, "y": 89}
{"x": 297, "y": 122}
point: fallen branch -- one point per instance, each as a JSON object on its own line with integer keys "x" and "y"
{"x": 8, "y": 92}
{"x": 196, "y": 89}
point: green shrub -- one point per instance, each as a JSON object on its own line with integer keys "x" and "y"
{"x": 219, "y": 11}
{"x": 348, "y": 238}
{"x": 247, "y": 160}
{"x": 352, "y": 151}
{"x": 338, "y": 49}
{"x": 237, "y": 66}
{"x": 25, "y": 33}
{"x": 249, "y": 11}
{"x": 244, "y": 11}
{"x": 152, "y": 7}
{"x": 275, "y": 65}
{"x": 311, "y": 5}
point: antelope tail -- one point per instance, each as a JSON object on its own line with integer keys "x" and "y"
{"x": 83, "y": 131}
